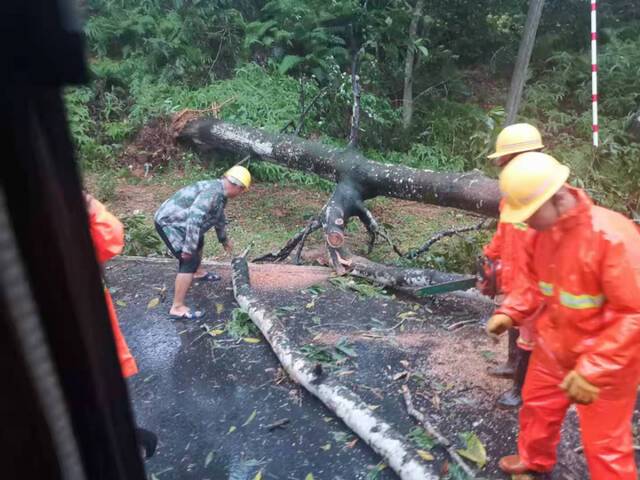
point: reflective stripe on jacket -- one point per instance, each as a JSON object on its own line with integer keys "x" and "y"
{"x": 586, "y": 269}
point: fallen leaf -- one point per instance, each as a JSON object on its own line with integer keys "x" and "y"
{"x": 309, "y": 476}
{"x": 209, "y": 458}
{"x": 373, "y": 408}
{"x": 344, "y": 373}
{"x": 328, "y": 419}
{"x": 215, "y": 332}
{"x": 311, "y": 304}
{"x": 404, "y": 363}
{"x": 399, "y": 375}
{"x": 326, "y": 447}
{"x": 153, "y": 303}
{"x": 424, "y": 455}
{"x": 251, "y": 340}
{"x": 258, "y": 476}
{"x": 436, "y": 400}
{"x": 474, "y": 450}
{"x": 352, "y": 443}
{"x": 249, "y": 419}
{"x": 121, "y": 303}
{"x": 219, "y": 310}
{"x": 232, "y": 429}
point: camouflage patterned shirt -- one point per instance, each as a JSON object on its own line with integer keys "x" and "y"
{"x": 191, "y": 212}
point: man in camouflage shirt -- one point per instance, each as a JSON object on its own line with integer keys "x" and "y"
{"x": 182, "y": 221}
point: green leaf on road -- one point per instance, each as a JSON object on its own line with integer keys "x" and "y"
{"x": 474, "y": 450}
{"x": 209, "y": 458}
{"x": 250, "y": 418}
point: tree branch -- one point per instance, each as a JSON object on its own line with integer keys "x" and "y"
{"x": 440, "y": 235}
{"x": 382, "y": 437}
{"x": 433, "y": 431}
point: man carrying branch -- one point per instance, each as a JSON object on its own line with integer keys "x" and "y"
{"x": 182, "y": 221}
{"x": 584, "y": 266}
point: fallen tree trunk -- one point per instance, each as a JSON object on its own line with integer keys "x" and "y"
{"x": 402, "y": 278}
{"x": 355, "y": 413}
{"x": 470, "y": 191}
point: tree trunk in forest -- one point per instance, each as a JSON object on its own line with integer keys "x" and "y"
{"x": 519, "y": 76}
{"x": 355, "y": 111}
{"x": 407, "y": 96}
{"x": 397, "y": 452}
{"x": 470, "y": 191}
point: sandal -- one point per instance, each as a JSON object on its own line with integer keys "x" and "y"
{"x": 188, "y": 315}
{"x": 208, "y": 277}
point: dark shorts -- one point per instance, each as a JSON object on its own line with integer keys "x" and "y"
{"x": 184, "y": 266}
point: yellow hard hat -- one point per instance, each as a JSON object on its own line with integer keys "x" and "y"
{"x": 527, "y": 182}
{"x": 239, "y": 175}
{"x": 517, "y": 138}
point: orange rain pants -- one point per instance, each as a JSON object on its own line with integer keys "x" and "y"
{"x": 605, "y": 425}
{"x": 107, "y": 234}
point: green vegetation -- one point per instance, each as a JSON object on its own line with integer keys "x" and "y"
{"x": 140, "y": 237}
{"x": 262, "y": 60}
{"x": 240, "y": 325}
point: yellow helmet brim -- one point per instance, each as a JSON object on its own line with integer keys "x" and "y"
{"x": 518, "y": 148}
{"x": 520, "y": 213}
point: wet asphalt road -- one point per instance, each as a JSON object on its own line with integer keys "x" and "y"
{"x": 200, "y": 396}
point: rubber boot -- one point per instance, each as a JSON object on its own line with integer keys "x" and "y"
{"x": 508, "y": 369}
{"x": 512, "y": 398}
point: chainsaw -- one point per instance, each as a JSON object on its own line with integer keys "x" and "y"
{"x": 487, "y": 280}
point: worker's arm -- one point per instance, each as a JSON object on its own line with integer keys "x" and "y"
{"x": 525, "y": 297}
{"x": 106, "y": 230}
{"x": 220, "y": 222}
{"x": 201, "y": 205}
{"x": 619, "y": 344}
{"x": 492, "y": 249}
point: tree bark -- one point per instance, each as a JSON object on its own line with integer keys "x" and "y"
{"x": 519, "y": 76}
{"x": 401, "y": 278}
{"x": 469, "y": 191}
{"x": 407, "y": 95}
{"x": 397, "y": 452}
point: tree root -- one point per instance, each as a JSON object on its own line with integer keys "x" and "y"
{"x": 396, "y": 451}
{"x": 433, "y": 431}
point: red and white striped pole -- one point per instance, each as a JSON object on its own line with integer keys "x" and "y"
{"x": 594, "y": 71}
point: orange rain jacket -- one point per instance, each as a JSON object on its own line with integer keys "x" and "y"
{"x": 107, "y": 234}
{"x": 509, "y": 246}
{"x": 586, "y": 269}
